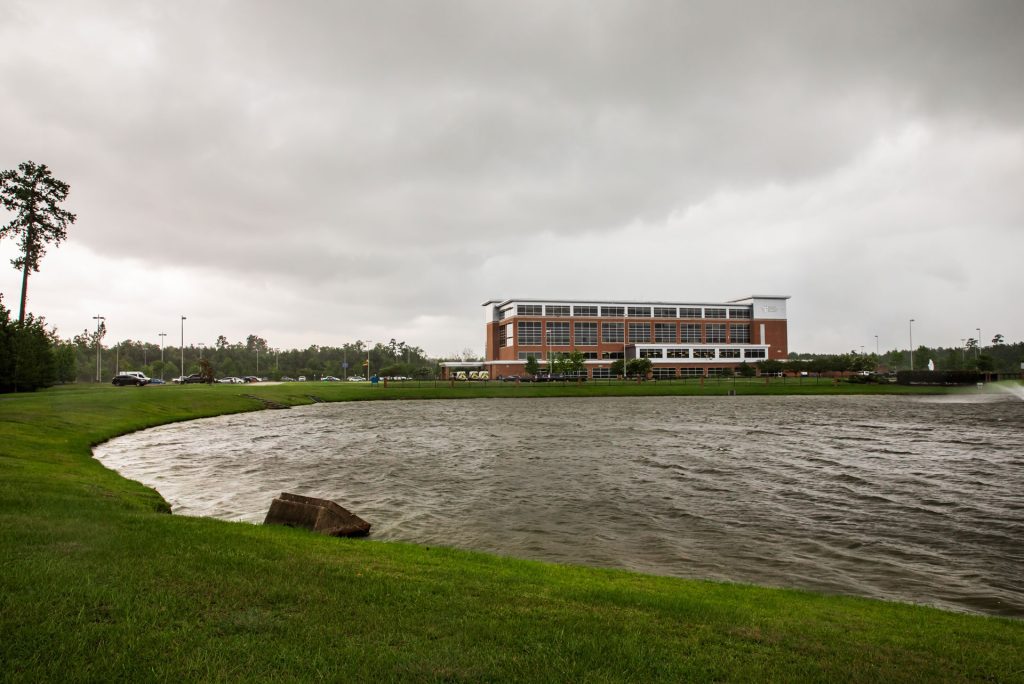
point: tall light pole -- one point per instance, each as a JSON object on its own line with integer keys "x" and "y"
{"x": 911, "y": 344}
{"x": 963, "y": 349}
{"x": 977, "y": 347}
{"x": 162, "y": 336}
{"x": 876, "y": 345}
{"x": 257, "y": 360}
{"x": 202, "y": 346}
{"x": 98, "y": 318}
{"x": 183, "y": 346}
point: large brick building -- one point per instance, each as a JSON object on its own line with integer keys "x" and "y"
{"x": 680, "y": 339}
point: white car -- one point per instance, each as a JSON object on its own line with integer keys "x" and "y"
{"x": 302, "y": 378}
{"x": 356, "y": 378}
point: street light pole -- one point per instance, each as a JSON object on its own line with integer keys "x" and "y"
{"x": 977, "y": 347}
{"x": 162, "y": 336}
{"x": 98, "y": 318}
{"x": 911, "y": 344}
{"x": 257, "y": 360}
{"x": 876, "y": 345}
{"x": 963, "y": 349}
{"x": 183, "y": 346}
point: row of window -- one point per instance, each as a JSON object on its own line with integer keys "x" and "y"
{"x": 662, "y": 373}
{"x": 585, "y": 334}
{"x": 669, "y": 353}
{"x": 565, "y": 311}
{"x": 702, "y": 353}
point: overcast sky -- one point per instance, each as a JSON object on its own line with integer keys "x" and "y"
{"x": 321, "y": 172}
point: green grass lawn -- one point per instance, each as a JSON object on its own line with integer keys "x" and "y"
{"x": 98, "y": 583}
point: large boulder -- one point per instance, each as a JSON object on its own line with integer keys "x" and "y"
{"x": 318, "y": 515}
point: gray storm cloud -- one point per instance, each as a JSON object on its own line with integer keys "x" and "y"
{"x": 377, "y": 167}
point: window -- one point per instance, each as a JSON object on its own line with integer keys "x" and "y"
{"x": 639, "y": 312}
{"x": 584, "y": 310}
{"x": 754, "y": 353}
{"x": 586, "y": 334}
{"x": 509, "y": 335}
{"x": 529, "y": 333}
{"x": 613, "y": 311}
{"x": 689, "y": 312}
{"x": 664, "y": 312}
{"x": 715, "y": 333}
{"x": 611, "y": 355}
{"x": 504, "y": 313}
{"x": 558, "y": 310}
{"x": 502, "y": 336}
{"x": 714, "y": 313}
{"x": 691, "y": 372}
{"x": 602, "y": 373}
{"x": 703, "y": 353}
{"x": 728, "y": 353}
{"x": 690, "y": 332}
{"x": 612, "y": 332}
{"x": 529, "y": 309}
{"x": 678, "y": 353}
{"x": 558, "y": 334}
{"x": 664, "y": 373}
{"x": 666, "y": 332}
{"x": 712, "y": 372}
{"x": 523, "y": 356}
{"x": 639, "y": 332}
{"x": 590, "y": 355}
{"x": 739, "y": 313}
{"x": 650, "y": 354}
{"x": 739, "y": 333}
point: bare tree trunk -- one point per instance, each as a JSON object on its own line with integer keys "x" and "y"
{"x": 24, "y": 276}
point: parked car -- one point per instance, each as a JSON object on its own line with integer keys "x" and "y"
{"x": 156, "y": 381}
{"x": 285, "y": 378}
{"x": 126, "y": 379}
{"x": 193, "y": 379}
{"x": 250, "y": 378}
{"x": 302, "y": 378}
{"x": 138, "y": 374}
{"x": 356, "y": 378}
{"x": 331, "y": 378}
{"x": 231, "y": 380}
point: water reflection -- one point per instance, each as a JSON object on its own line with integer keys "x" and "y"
{"x": 888, "y": 497}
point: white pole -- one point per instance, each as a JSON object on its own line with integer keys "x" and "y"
{"x": 911, "y": 344}
{"x": 182, "y": 346}
{"x": 98, "y": 318}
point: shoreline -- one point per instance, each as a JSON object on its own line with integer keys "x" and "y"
{"x": 106, "y": 586}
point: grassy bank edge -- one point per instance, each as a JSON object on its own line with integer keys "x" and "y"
{"x": 93, "y": 574}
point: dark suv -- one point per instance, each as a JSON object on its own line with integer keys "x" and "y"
{"x": 194, "y": 378}
{"x": 122, "y": 380}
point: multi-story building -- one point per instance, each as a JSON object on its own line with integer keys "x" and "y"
{"x": 681, "y": 339}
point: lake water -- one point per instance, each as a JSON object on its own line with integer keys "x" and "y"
{"x": 902, "y": 498}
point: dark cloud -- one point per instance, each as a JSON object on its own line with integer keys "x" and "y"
{"x": 429, "y": 155}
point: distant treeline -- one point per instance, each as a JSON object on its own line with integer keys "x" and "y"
{"x": 1001, "y": 357}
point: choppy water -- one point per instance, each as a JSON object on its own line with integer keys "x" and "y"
{"x": 889, "y": 497}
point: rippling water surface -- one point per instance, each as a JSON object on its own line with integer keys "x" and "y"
{"x": 889, "y": 497}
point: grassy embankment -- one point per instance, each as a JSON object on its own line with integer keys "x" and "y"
{"x": 96, "y": 584}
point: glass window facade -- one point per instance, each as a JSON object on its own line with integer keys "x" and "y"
{"x": 739, "y": 333}
{"x": 612, "y": 332}
{"x": 613, "y": 311}
{"x": 529, "y": 309}
{"x": 639, "y": 332}
{"x": 558, "y": 310}
{"x": 639, "y": 312}
{"x": 714, "y": 333}
{"x": 586, "y": 334}
{"x": 584, "y": 311}
{"x": 666, "y": 332}
{"x": 690, "y": 332}
{"x": 558, "y": 334}
{"x": 529, "y": 333}
{"x": 664, "y": 312}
